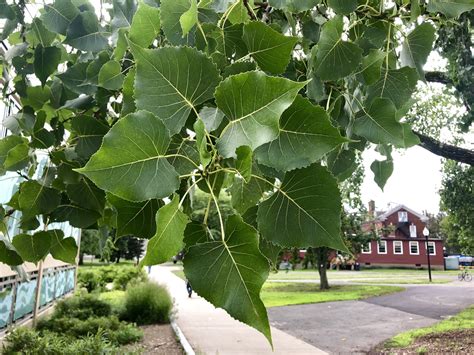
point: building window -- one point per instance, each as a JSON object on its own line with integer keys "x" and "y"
{"x": 382, "y": 247}
{"x": 414, "y": 248}
{"x": 367, "y": 248}
{"x": 413, "y": 231}
{"x": 402, "y": 216}
{"x": 398, "y": 247}
{"x": 432, "y": 248}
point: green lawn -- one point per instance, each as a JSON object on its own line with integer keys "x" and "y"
{"x": 463, "y": 320}
{"x": 404, "y": 281}
{"x": 283, "y": 294}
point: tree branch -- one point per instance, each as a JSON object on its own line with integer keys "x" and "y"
{"x": 438, "y": 77}
{"x": 249, "y": 10}
{"x": 444, "y": 150}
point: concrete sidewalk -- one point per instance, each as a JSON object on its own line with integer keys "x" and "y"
{"x": 212, "y": 331}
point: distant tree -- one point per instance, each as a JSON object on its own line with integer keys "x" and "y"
{"x": 135, "y": 248}
{"x": 90, "y": 244}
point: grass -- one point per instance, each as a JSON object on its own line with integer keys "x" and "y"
{"x": 284, "y": 294}
{"x": 116, "y": 299}
{"x": 179, "y": 273}
{"x": 412, "y": 281}
{"x": 463, "y": 320}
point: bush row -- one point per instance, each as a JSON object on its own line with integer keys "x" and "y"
{"x": 97, "y": 278}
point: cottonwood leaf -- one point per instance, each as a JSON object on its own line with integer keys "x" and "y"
{"x": 417, "y": 46}
{"x": 450, "y": 8}
{"x": 294, "y": 5}
{"x": 184, "y": 154}
{"x": 75, "y": 215}
{"x": 379, "y": 125}
{"x": 168, "y": 239}
{"x": 171, "y": 12}
{"x": 8, "y": 254}
{"x": 58, "y": 16}
{"x": 14, "y": 153}
{"x": 86, "y": 195}
{"x": 212, "y": 117}
{"x": 304, "y": 211}
{"x": 306, "y": 135}
{"x": 46, "y": 61}
{"x": 394, "y": 84}
{"x": 135, "y": 218}
{"x": 123, "y": 13}
{"x": 35, "y": 199}
{"x": 110, "y": 75}
{"x": 332, "y": 57}
{"x": 161, "y": 91}
{"x": 201, "y": 143}
{"x": 342, "y": 163}
{"x": 253, "y": 102}
{"x": 343, "y": 7}
{"x": 195, "y": 233}
{"x": 244, "y": 161}
{"x": 189, "y": 18}
{"x": 64, "y": 249}
{"x": 132, "y": 161}
{"x": 88, "y": 134}
{"x": 34, "y": 247}
{"x": 75, "y": 79}
{"x": 245, "y": 195}
{"x": 145, "y": 25}
{"x": 84, "y": 33}
{"x": 372, "y": 66}
{"x": 270, "y": 49}
{"x": 382, "y": 170}
{"x": 229, "y": 273}
{"x": 128, "y": 105}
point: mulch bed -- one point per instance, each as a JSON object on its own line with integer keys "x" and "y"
{"x": 157, "y": 339}
{"x": 453, "y": 342}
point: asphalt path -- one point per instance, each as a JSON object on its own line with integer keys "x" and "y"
{"x": 352, "y": 327}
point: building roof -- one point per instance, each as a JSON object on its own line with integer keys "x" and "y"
{"x": 385, "y": 215}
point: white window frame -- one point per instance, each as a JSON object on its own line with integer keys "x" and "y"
{"x": 402, "y": 213}
{"x": 378, "y": 246}
{"x": 369, "y": 244}
{"x": 395, "y": 242}
{"x": 434, "y": 247}
{"x": 417, "y": 248}
{"x": 413, "y": 226}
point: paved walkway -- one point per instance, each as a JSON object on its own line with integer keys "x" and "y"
{"x": 351, "y": 327}
{"x": 213, "y": 331}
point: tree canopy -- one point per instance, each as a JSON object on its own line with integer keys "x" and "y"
{"x": 138, "y": 104}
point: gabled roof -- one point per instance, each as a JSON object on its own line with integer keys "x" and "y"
{"x": 384, "y": 215}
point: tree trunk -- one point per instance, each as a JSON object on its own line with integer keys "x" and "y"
{"x": 322, "y": 257}
{"x": 81, "y": 258}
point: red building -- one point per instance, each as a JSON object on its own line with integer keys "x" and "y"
{"x": 402, "y": 242}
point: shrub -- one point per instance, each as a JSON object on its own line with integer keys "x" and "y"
{"x": 128, "y": 274}
{"x": 89, "y": 279}
{"x": 147, "y": 303}
{"x": 82, "y": 307}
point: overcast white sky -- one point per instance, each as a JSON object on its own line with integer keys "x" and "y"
{"x": 415, "y": 181}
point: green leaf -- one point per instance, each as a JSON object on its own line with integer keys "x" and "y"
{"x": 230, "y": 273}
{"x": 382, "y": 170}
{"x": 270, "y": 251}
{"x": 417, "y": 46}
{"x": 34, "y": 247}
{"x": 201, "y": 142}
{"x": 244, "y": 161}
{"x": 134, "y": 218}
{"x": 450, "y": 8}
{"x": 195, "y": 233}
{"x": 305, "y": 211}
{"x": 145, "y": 25}
{"x": 64, "y": 249}
{"x": 334, "y": 58}
{"x": 77, "y": 216}
{"x": 372, "y": 66}
{"x": 75, "y": 79}
{"x": 110, "y": 75}
{"x": 168, "y": 240}
{"x": 17, "y": 158}
{"x": 46, "y": 61}
{"x": 88, "y": 134}
{"x": 294, "y": 5}
{"x": 245, "y": 195}
{"x": 306, "y": 135}
{"x": 8, "y": 254}
{"x": 212, "y": 117}
{"x": 123, "y": 12}
{"x": 185, "y": 156}
{"x": 6, "y": 145}
{"x": 93, "y": 69}
{"x": 41, "y": 34}
{"x": 270, "y": 49}
{"x": 343, "y": 7}
{"x": 394, "y": 84}
{"x": 239, "y": 13}
{"x": 132, "y": 161}
{"x": 86, "y": 195}
{"x": 84, "y": 33}
{"x": 177, "y": 95}
{"x": 170, "y": 14}
{"x": 35, "y": 199}
{"x": 253, "y": 102}
{"x": 59, "y": 16}
{"x": 409, "y": 137}
{"x": 342, "y": 163}
{"x": 128, "y": 105}
{"x": 189, "y": 18}
{"x": 379, "y": 125}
